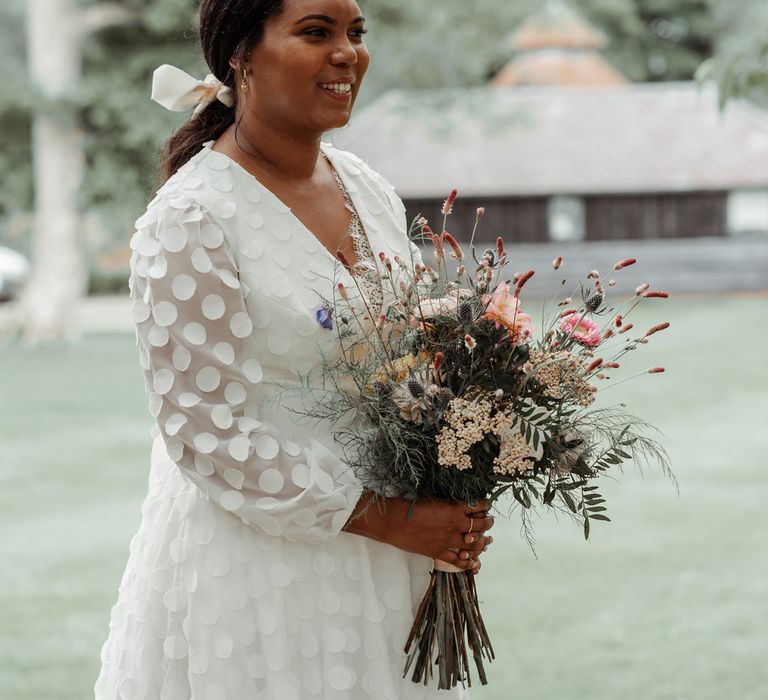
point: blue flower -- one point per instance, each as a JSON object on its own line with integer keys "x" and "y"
{"x": 323, "y": 316}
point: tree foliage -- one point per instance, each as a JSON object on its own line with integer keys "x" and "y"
{"x": 740, "y": 61}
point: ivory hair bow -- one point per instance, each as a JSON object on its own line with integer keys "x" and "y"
{"x": 176, "y": 90}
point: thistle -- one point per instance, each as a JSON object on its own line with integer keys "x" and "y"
{"x": 465, "y": 313}
{"x": 416, "y": 388}
{"x": 592, "y": 304}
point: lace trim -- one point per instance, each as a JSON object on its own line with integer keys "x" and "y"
{"x": 364, "y": 267}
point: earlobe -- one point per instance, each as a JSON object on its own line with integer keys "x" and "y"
{"x": 240, "y": 71}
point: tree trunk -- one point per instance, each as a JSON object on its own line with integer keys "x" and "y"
{"x": 49, "y": 302}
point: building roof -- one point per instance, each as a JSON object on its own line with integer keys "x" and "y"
{"x": 557, "y": 46}
{"x": 559, "y": 67}
{"x": 521, "y": 141}
{"x": 557, "y": 24}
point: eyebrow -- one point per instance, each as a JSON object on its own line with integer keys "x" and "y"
{"x": 329, "y": 20}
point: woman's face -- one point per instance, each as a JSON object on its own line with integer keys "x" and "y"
{"x": 305, "y": 73}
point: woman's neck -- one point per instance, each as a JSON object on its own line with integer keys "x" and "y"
{"x": 275, "y": 153}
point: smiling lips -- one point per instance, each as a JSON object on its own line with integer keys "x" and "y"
{"x": 338, "y": 90}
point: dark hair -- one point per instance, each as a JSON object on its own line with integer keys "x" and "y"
{"x": 227, "y": 28}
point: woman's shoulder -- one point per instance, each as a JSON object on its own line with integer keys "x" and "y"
{"x": 206, "y": 183}
{"x": 377, "y": 189}
{"x": 357, "y": 166}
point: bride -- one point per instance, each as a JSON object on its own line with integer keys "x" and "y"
{"x": 257, "y": 572}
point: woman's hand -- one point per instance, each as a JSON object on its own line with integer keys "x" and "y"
{"x": 451, "y": 531}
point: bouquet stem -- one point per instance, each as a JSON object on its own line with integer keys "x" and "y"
{"x": 448, "y": 617}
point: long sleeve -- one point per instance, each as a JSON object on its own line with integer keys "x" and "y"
{"x": 203, "y": 377}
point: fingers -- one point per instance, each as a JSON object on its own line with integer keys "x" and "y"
{"x": 462, "y": 560}
{"x": 469, "y": 561}
{"x": 476, "y": 506}
{"x": 475, "y": 523}
{"x": 475, "y": 549}
{"x": 475, "y": 542}
{"x": 481, "y": 524}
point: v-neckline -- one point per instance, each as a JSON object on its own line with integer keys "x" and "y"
{"x": 288, "y": 209}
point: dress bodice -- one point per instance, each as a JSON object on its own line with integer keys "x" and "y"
{"x": 227, "y": 284}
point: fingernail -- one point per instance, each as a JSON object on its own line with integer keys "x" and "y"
{"x": 465, "y": 555}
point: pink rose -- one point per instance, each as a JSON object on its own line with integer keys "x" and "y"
{"x": 444, "y": 306}
{"x": 581, "y": 329}
{"x": 504, "y": 308}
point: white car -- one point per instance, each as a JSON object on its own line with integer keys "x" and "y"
{"x": 14, "y": 270}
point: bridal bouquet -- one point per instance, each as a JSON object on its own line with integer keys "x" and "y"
{"x": 455, "y": 393}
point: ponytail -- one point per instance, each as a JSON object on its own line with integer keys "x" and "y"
{"x": 207, "y": 125}
{"x": 228, "y": 28}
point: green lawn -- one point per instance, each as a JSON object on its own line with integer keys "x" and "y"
{"x": 667, "y": 602}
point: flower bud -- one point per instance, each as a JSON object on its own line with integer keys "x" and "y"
{"x": 592, "y": 366}
{"x": 448, "y": 203}
{"x": 624, "y": 263}
{"x": 437, "y": 241}
{"x": 657, "y": 328}
{"x": 521, "y": 282}
{"x": 456, "y": 253}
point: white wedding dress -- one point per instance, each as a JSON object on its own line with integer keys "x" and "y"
{"x": 240, "y": 583}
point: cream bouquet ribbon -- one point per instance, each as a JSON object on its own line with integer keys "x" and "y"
{"x": 176, "y": 90}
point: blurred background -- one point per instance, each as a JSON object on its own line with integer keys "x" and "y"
{"x": 591, "y": 129}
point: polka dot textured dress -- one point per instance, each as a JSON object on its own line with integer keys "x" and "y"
{"x": 240, "y": 583}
